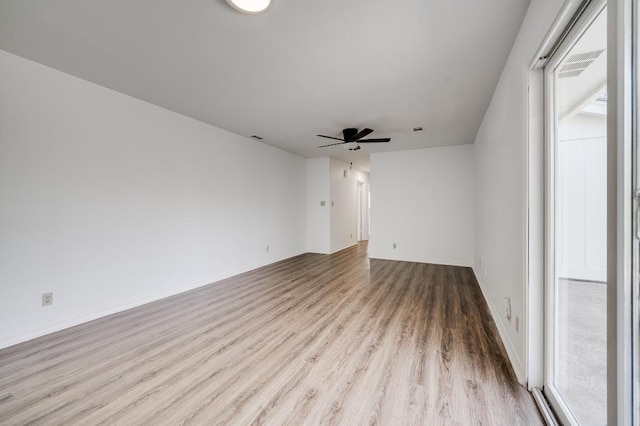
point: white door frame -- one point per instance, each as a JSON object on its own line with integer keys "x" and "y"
{"x": 359, "y": 210}
{"x": 622, "y": 295}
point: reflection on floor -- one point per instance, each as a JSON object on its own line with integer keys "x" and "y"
{"x": 582, "y": 349}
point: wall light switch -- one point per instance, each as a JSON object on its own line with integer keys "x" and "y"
{"x": 322, "y": 203}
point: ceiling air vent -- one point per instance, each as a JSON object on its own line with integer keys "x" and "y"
{"x": 574, "y": 65}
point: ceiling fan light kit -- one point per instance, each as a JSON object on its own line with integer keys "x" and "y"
{"x": 251, "y": 7}
{"x": 351, "y": 146}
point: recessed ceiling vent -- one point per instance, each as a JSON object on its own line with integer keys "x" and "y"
{"x": 574, "y": 65}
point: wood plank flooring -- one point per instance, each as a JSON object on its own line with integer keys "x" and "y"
{"x": 315, "y": 339}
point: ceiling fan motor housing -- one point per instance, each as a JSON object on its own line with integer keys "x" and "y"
{"x": 349, "y": 134}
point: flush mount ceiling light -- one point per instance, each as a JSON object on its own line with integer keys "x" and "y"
{"x": 250, "y": 6}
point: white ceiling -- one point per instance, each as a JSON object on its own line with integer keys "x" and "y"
{"x": 575, "y": 93}
{"x": 304, "y": 67}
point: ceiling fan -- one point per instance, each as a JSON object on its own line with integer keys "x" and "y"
{"x": 353, "y": 137}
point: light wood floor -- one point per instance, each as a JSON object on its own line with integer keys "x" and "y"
{"x": 315, "y": 339}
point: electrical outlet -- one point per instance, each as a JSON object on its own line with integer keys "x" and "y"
{"x": 517, "y": 324}
{"x": 395, "y": 245}
{"x": 267, "y": 248}
{"x": 47, "y": 299}
{"x": 507, "y": 308}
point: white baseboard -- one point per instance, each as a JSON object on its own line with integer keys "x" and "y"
{"x": 91, "y": 316}
{"x": 94, "y": 315}
{"x": 346, "y": 246}
{"x": 512, "y": 353}
{"x": 438, "y": 261}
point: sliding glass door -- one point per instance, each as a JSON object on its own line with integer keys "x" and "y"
{"x": 576, "y": 291}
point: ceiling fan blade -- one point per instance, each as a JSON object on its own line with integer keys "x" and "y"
{"x": 331, "y": 137}
{"x": 374, "y": 140}
{"x": 332, "y": 144}
{"x": 362, "y": 133}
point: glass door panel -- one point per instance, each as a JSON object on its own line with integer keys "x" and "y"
{"x": 577, "y": 341}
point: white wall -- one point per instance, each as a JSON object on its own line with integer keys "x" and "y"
{"x": 582, "y": 198}
{"x": 422, "y": 200}
{"x": 110, "y": 202}
{"x": 344, "y": 204}
{"x": 318, "y": 215}
{"x": 501, "y": 184}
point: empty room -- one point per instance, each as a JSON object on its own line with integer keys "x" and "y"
{"x": 310, "y": 212}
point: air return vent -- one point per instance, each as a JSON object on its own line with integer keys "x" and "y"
{"x": 574, "y": 65}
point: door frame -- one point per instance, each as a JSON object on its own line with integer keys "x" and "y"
{"x": 359, "y": 210}
{"x": 633, "y": 104}
{"x": 622, "y": 296}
